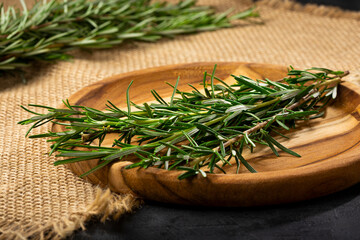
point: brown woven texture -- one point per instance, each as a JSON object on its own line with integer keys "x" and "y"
{"x": 43, "y": 201}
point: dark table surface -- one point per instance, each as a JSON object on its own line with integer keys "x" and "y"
{"x": 336, "y": 216}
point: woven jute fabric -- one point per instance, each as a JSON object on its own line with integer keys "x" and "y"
{"x": 40, "y": 200}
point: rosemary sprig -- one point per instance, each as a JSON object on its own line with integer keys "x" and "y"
{"x": 197, "y": 131}
{"x": 49, "y": 30}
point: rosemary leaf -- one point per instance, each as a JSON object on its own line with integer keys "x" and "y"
{"x": 194, "y": 133}
{"x": 49, "y": 30}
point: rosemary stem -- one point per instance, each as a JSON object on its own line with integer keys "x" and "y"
{"x": 196, "y": 131}
{"x": 264, "y": 123}
{"x": 52, "y": 28}
{"x": 332, "y": 81}
{"x": 264, "y": 104}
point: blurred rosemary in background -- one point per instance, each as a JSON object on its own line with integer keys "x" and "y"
{"x": 197, "y": 131}
{"x": 49, "y": 30}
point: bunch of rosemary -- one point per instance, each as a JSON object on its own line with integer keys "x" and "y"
{"x": 196, "y": 131}
{"x": 50, "y": 29}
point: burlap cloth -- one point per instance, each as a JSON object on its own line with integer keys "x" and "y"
{"x": 43, "y": 201}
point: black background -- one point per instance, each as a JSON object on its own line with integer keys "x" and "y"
{"x": 345, "y": 4}
{"x": 336, "y": 216}
{"x": 332, "y": 217}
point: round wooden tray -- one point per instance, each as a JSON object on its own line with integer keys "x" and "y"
{"x": 329, "y": 146}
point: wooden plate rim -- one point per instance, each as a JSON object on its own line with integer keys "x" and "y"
{"x": 277, "y": 175}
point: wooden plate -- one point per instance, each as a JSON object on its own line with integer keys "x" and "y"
{"x": 329, "y": 146}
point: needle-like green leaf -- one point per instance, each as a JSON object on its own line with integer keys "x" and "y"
{"x": 51, "y": 29}
{"x": 194, "y": 133}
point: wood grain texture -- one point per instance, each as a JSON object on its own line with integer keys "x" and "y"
{"x": 329, "y": 147}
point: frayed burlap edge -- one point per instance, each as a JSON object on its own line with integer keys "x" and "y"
{"x": 105, "y": 204}
{"x": 319, "y": 10}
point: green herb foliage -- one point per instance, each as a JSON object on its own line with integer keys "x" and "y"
{"x": 195, "y": 132}
{"x": 52, "y": 28}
